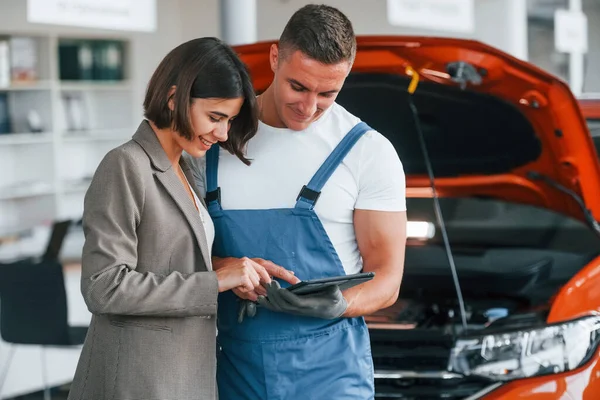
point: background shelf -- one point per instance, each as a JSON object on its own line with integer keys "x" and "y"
{"x": 9, "y": 139}
{"x": 25, "y": 190}
{"x": 114, "y": 135}
{"x": 65, "y": 105}
{"x": 94, "y": 85}
{"x": 27, "y": 86}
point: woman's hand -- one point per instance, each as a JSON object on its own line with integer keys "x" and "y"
{"x": 241, "y": 274}
{"x": 274, "y": 270}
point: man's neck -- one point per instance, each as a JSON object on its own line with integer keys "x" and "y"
{"x": 267, "y": 110}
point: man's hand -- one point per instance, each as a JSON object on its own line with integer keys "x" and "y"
{"x": 326, "y": 304}
{"x": 247, "y": 308}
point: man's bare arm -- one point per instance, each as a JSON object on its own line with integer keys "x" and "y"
{"x": 381, "y": 237}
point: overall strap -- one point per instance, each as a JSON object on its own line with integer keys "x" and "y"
{"x": 213, "y": 191}
{"x": 310, "y": 193}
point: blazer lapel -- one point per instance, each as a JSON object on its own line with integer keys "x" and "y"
{"x": 187, "y": 170}
{"x": 175, "y": 188}
{"x": 146, "y": 137}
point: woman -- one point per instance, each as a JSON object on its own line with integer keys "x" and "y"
{"x": 147, "y": 275}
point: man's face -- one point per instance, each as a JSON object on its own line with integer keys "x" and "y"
{"x": 304, "y": 88}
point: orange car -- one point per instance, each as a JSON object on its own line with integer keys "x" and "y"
{"x": 501, "y": 290}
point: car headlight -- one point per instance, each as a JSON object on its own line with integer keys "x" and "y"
{"x": 526, "y": 353}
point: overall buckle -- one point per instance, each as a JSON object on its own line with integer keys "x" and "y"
{"x": 308, "y": 194}
{"x": 213, "y": 195}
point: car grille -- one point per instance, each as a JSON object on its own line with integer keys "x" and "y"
{"x": 411, "y": 365}
{"x": 425, "y": 387}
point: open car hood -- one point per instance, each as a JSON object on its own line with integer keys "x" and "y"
{"x": 492, "y": 123}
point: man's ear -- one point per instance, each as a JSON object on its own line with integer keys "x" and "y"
{"x": 171, "y": 102}
{"x": 274, "y": 57}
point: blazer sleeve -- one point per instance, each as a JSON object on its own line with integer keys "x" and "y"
{"x": 110, "y": 284}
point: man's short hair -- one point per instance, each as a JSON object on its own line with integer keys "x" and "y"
{"x": 321, "y": 32}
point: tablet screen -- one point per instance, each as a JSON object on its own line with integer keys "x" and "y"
{"x": 344, "y": 282}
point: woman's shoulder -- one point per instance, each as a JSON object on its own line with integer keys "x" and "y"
{"x": 129, "y": 154}
{"x": 124, "y": 163}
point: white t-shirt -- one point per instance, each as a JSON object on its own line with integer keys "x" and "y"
{"x": 371, "y": 176}
{"x": 207, "y": 222}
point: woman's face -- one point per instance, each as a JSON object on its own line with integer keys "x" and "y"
{"x": 211, "y": 120}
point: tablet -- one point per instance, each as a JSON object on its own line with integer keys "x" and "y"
{"x": 344, "y": 282}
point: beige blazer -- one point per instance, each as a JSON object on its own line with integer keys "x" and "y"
{"x": 148, "y": 281}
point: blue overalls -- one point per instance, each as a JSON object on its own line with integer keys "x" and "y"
{"x": 278, "y": 355}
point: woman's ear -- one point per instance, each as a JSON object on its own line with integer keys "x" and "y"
{"x": 171, "y": 102}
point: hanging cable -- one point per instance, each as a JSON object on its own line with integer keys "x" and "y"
{"x": 412, "y": 87}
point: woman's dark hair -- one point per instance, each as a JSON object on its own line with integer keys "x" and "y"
{"x": 202, "y": 68}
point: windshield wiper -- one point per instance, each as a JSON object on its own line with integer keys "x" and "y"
{"x": 534, "y": 175}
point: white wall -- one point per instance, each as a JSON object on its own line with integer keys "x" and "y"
{"x": 369, "y": 17}
{"x": 180, "y": 20}
{"x": 177, "y": 20}
{"x": 503, "y": 24}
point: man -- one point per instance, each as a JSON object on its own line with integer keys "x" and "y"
{"x": 324, "y": 196}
